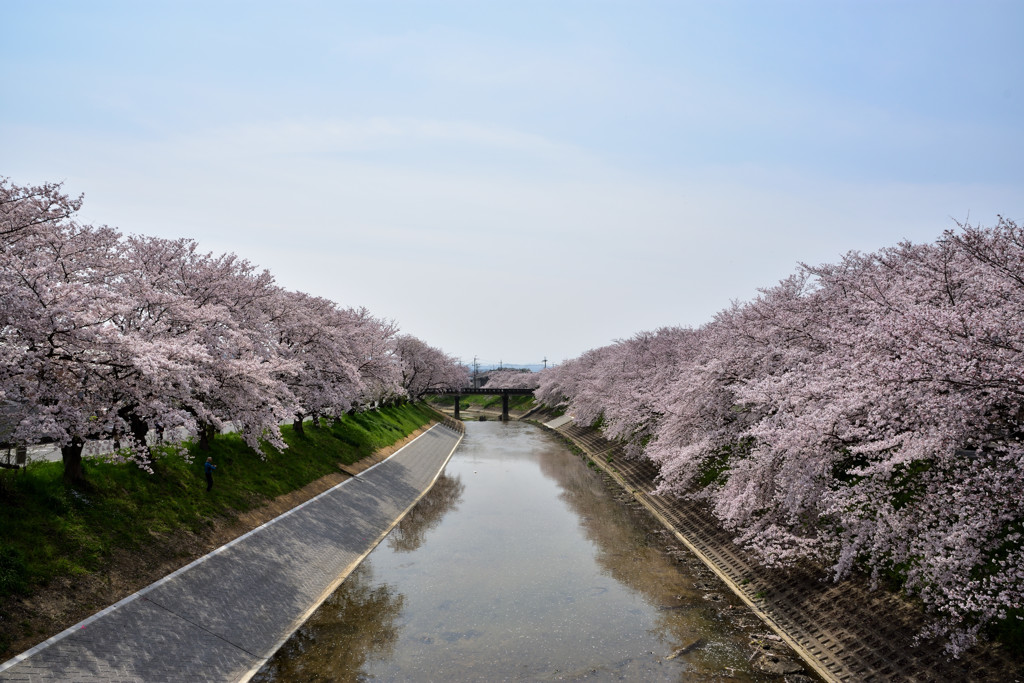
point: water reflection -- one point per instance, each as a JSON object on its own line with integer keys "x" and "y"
{"x": 439, "y": 501}
{"x": 356, "y": 623}
{"x": 520, "y": 564}
{"x": 632, "y": 548}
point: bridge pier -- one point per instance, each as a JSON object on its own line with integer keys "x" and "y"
{"x": 464, "y": 391}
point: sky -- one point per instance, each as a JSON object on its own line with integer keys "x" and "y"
{"x": 522, "y": 181}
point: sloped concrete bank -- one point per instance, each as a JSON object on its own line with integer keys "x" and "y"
{"x": 844, "y": 631}
{"x": 221, "y": 617}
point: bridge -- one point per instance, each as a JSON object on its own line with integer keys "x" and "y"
{"x": 459, "y": 393}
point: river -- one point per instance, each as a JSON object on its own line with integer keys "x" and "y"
{"x": 523, "y": 563}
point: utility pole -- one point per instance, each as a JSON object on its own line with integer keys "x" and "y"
{"x": 545, "y": 362}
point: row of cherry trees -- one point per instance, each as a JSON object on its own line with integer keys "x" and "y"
{"x": 512, "y": 379}
{"x": 866, "y": 414}
{"x": 106, "y": 335}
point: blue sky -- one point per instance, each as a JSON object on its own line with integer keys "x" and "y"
{"x": 523, "y": 180}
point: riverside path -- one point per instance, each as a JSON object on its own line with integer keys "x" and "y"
{"x": 221, "y": 617}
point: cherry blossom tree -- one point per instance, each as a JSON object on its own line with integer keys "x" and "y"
{"x": 375, "y": 356}
{"x": 63, "y": 359}
{"x": 164, "y": 327}
{"x": 319, "y": 338}
{"x": 247, "y": 376}
{"x": 25, "y": 208}
{"x": 425, "y": 368}
{"x": 512, "y": 379}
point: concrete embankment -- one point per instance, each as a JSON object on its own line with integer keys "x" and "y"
{"x": 844, "y": 631}
{"x": 221, "y": 617}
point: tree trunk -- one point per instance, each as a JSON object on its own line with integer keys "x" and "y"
{"x": 205, "y": 436}
{"x": 297, "y": 424}
{"x": 71, "y": 454}
{"x": 316, "y": 420}
{"x": 139, "y": 429}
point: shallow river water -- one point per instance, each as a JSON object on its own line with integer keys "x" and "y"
{"x": 523, "y": 564}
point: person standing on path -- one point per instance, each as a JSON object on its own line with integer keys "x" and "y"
{"x": 209, "y": 467}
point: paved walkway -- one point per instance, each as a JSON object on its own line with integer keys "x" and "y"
{"x": 221, "y": 617}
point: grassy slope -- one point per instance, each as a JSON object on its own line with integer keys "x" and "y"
{"x": 49, "y": 531}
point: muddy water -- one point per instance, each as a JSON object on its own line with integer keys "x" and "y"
{"x": 523, "y": 564}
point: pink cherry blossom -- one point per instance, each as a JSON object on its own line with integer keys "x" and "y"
{"x": 104, "y": 335}
{"x": 866, "y": 414}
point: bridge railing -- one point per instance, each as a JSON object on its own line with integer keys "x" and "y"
{"x": 480, "y": 390}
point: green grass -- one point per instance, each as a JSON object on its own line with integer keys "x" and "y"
{"x": 52, "y": 530}
{"x": 716, "y": 469}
